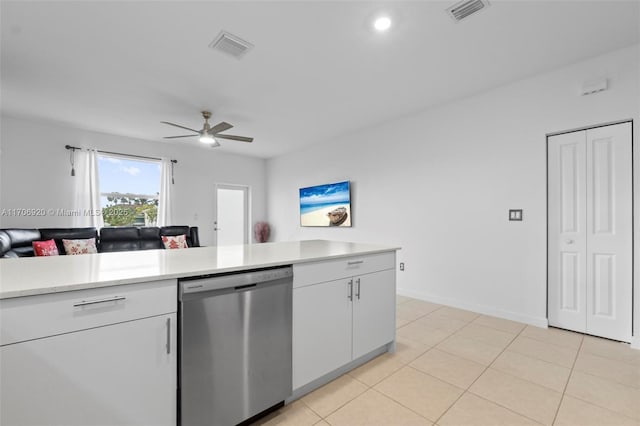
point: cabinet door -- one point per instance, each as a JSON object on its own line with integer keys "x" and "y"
{"x": 121, "y": 374}
{"x": 374, "y": 311}
{"x": 321, "y": 330}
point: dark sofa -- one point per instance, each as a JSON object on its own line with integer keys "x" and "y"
{"x": 16, "y": 242}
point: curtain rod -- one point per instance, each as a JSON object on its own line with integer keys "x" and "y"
{"x": 119, "y": 153}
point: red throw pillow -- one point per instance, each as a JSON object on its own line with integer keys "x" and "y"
{"x": 177, "y": 242}
{"x": 45, "y": 248}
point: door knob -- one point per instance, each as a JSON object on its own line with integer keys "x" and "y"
{"x": 570, "y": 241}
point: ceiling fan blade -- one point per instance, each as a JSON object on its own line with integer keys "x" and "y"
{"x": 220, "y": 127}
{"x": 184, "y": 136}
{"x": 235, "y": 138}
{"x": 182, "y": 127}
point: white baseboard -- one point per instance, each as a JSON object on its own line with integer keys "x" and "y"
{"x": 481, "y": 309}
{"x": 635, "y": 342}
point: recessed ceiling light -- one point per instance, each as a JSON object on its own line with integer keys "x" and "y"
{"x": 382, "y": 23}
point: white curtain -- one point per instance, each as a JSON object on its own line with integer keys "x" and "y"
{"x": 165, "y": 202}
{"x": 87, "y": 209}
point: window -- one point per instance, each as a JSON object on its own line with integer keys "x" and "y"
{"x": 129, "y": 190}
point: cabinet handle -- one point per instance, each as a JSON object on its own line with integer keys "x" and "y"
{"x": 350, "y": 292}
{"x": 358, "y": 288}
{"x": 355, "y": 262}
{"x": 93, "y": 302}
{"x": 168, "y": 335}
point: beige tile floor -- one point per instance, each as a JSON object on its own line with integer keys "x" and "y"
{"x": 454, "y": 368}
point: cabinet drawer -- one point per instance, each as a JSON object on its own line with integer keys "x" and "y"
{"x": 329, "y": 270}
{"x": 32, "y": 317}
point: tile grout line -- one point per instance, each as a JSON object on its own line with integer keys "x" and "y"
{"x": 484, "y": 371}
{"x": 340, "y": 406}
{"x": 480, "y": 375}
{"x": 536, "y": 359}
{"x": 537, "y": 339}
{"x": 550, "y": 343}
{"x": 566, "y": 385}
{"x": 467, "y": 390}
{"x": 598, "y": 405}
{"x": 496, "y": 328}
{"x": 599, "y": 355}
{"x": 402, "y": 405}
{"x": 588, "y": 373}
{"x": 419, "y": 371}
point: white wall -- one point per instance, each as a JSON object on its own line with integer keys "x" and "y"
{"x": 35, "y": 173}
{"x": 439, "y": 183}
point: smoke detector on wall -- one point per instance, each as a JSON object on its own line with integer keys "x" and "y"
{"x": 466, "y": 8}
{"x": 231, "y": 44}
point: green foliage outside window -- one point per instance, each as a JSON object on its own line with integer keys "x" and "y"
{"x": 126, "y": 211}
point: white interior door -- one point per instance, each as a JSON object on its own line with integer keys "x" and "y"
{"x": 609, "y": 232}
{"x": 567, "y": 228}
{"x": 590, "y": 231}
{"x": 232, "y": 217}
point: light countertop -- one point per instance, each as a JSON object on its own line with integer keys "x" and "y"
{"x": 41, "y": 275}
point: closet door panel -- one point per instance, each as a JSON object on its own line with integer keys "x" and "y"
{"x": 566, "y": 231}
{"x": 609, "y": 231}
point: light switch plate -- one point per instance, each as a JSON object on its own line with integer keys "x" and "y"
{"x": 515, "y": 214}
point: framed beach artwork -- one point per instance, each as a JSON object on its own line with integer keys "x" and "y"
{"x": 326, "y": 205}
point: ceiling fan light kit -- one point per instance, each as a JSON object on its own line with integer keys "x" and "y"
{"x": 207, "y": 139}
{"x": 208, "y": 134}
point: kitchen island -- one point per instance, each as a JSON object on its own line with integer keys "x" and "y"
{"x": 100, "y": 330}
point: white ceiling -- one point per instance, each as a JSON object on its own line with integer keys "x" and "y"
{"x": 317, "y": 70}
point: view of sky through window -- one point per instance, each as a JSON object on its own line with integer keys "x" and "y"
{"x": 129, "y": 190}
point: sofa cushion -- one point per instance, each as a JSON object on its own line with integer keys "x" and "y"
{"x": 83, "y": 246}
{"x": 21, "y": 240}
{"x": 58, "y": 234}
{"x": 124, "y": 238}
{"x": 150, "y": 238}
{"x": 45, "y": 248}
{"x": 194, "y": 237}
{"x": 5, "y": 244}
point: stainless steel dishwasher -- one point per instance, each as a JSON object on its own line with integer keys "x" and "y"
{"x": 235, "y": 341}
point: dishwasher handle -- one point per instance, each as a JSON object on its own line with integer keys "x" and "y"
{"x": 237, "y": 281}
{"x": 244, "y": 287}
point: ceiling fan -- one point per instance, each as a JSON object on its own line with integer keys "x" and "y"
{"x": 209, "y": 134}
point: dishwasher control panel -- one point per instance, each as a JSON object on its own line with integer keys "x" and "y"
{"x": 238, "y": 280}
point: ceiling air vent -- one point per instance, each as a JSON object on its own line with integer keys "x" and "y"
{"x": 231, "y": 44}
{"x": 466, "y": 8}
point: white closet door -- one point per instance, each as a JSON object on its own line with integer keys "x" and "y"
{"x": 590, "y": 231}
{"x": 566, "y": 231}
{"x": 609, "y": 231}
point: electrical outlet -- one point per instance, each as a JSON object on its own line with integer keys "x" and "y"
{"x": 402, "y": 266}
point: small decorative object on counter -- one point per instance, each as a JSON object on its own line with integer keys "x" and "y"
{"x": 261, "y": 232}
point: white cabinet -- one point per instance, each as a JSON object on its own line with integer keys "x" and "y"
{"x": 374, "y": 311}
{"x": 110, "y": 358}
{"x": 321, "y": 330}
{"x": 338, "y": 320}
